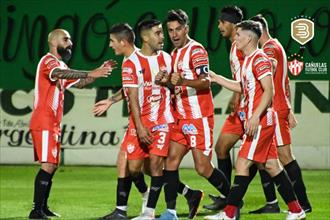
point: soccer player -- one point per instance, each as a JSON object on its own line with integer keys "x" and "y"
{"x": 52, "y": 78}
{"x": 285, "y": 120}
{"x": 193, "y": 129}
{"x": 149, "y": 31}
{"x": 258, "y": 146}
{"x": 122, "y": 42}
{"x": 232, "y": 129}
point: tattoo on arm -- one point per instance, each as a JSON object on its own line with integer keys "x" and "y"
{"x": 69, "y": 74}
{"x": 84, "y": 82}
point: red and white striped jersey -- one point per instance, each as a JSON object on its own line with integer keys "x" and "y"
{"x": 191, "y": 61}
{"x": 49, "y": 94}
{"x": 236, "y": 59}
{"x": 139, "y": 71}
{"x": 255, "y": 67}
{"x": 274, "y": 49}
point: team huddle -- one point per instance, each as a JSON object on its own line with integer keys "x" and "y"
{"x": 171, "y": 112}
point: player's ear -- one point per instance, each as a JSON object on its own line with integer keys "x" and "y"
{"x": 187, "y": 29}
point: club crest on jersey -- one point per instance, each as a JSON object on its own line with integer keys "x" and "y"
{"x": 130, "y": 148}
{"x": 162, "y": 127}
{"x": 54, "y": 152}
{"x": 241, "y": 115}
{"x": 177, "y": 90}
{"x": 189, "y": 129}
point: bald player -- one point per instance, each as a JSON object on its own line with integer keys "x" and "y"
{"x": 53, "y": 76}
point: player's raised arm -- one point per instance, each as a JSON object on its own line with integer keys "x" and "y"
{"x": 103, "y": 105}
{"x": 227, "y": 83}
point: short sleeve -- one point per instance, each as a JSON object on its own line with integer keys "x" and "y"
{"x": 129, "y": 75}
{"x": 50, "y": 64}
{"x": 200, "y": 60}
{"x": 261, "y": 67}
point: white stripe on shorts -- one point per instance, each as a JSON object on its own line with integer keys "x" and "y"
{"x": 207, "y": 135}
{"x": 254, "y": 143}
{"x": 278, "y": 134}
{"x": 44, "y": 149}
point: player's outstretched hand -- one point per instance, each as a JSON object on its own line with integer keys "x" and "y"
{"x": 292, "y": 120}
{"x": 110, "y": 63}
{"x": 212, "y": 76}
{"x": 100, "y": 72}
{"x": 102, "y": 106}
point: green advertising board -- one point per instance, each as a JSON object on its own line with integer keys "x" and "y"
{"x": 26, "y": 24}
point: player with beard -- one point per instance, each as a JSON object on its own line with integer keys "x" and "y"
{"x": 52, "y": 78}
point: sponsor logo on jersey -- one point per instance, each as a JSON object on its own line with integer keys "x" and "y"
{"x": 154, "y": 98}
{"x": 189, "y": 129}
{"x": 127, "y": 78}
{"x": 127, "y": 70}
{"x": 161, "y": 127}
{"x": 147, "y": 84}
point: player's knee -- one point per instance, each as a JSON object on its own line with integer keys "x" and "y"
{"x": 134, "y": 172}
{"x": 272, "y": 168}
{"x": 203, "y": 170}
{"x": 285, "y": 157}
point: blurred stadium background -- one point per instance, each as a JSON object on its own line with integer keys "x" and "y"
{"x": 94, "y": 141}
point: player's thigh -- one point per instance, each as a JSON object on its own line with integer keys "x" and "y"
{"x": 242, "y": 166}
{"x": 273, "y": 167}
{"x": 203, "y": 164}
{"x": 175, "y": 154}
{"x": 225, "y": 143}
{"x": 156, "y": 165}
{"x": 135, "y": 166}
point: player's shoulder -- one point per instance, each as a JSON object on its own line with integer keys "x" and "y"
{"x": 272, "y": 44}
{"x": 165, "y": 54}
{"x": 48, "y": 58}
{"x": 197, "y": 48}
{"x": 260, "y": 57}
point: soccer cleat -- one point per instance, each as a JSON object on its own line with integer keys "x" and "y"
{"x": 145, "y": 216}
{"x": 145, "y": 196}
{"x": 117, "y": 214}
{"x": 193, "y": 202}
{"x": 296, "y": 216}
{"x": 217, "y": 205}
{"x": 219, "y": 216}
{"x": 167, "y": 215}
{"x": 50, "y": 213}
{"x": 307, "y": 208}
{"x": 268, "y": 208}
{"x": 38, "y": 214}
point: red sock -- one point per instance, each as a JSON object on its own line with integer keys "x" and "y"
{"x": 294, "y": 207}
{"x": 230, "y": 210}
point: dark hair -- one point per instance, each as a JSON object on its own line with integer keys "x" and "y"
{"x": 249, "y": 25}
{"x": 147, "y": 24}
{"x": 232, "y": 12}
{"x": 123, "y": 31}
{"x": 178, "y": 15}
{"x": 261, "y": 19}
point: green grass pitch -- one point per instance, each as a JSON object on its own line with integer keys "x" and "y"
{"x": 89, "y": 193}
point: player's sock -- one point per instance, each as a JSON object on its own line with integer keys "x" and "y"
{"x": 219, "y": 181}
{"x": 123, "y": 190}
{"x": 268, "y": 186}
{"x": 181, "y": 187}
{"x": 49, "y": 186}
{"x": 140, "y": 183}
{"x": 40, "y": 187}
{"x": 226, "y": 167}
{"x": 155, "y": 189}
{"x": 237, "y": 192}
{"x": 171, "y": 178}
{"x": 294, "y": 172}
{"x": 252, "y": 172}
{"x": 285, "y": 189}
